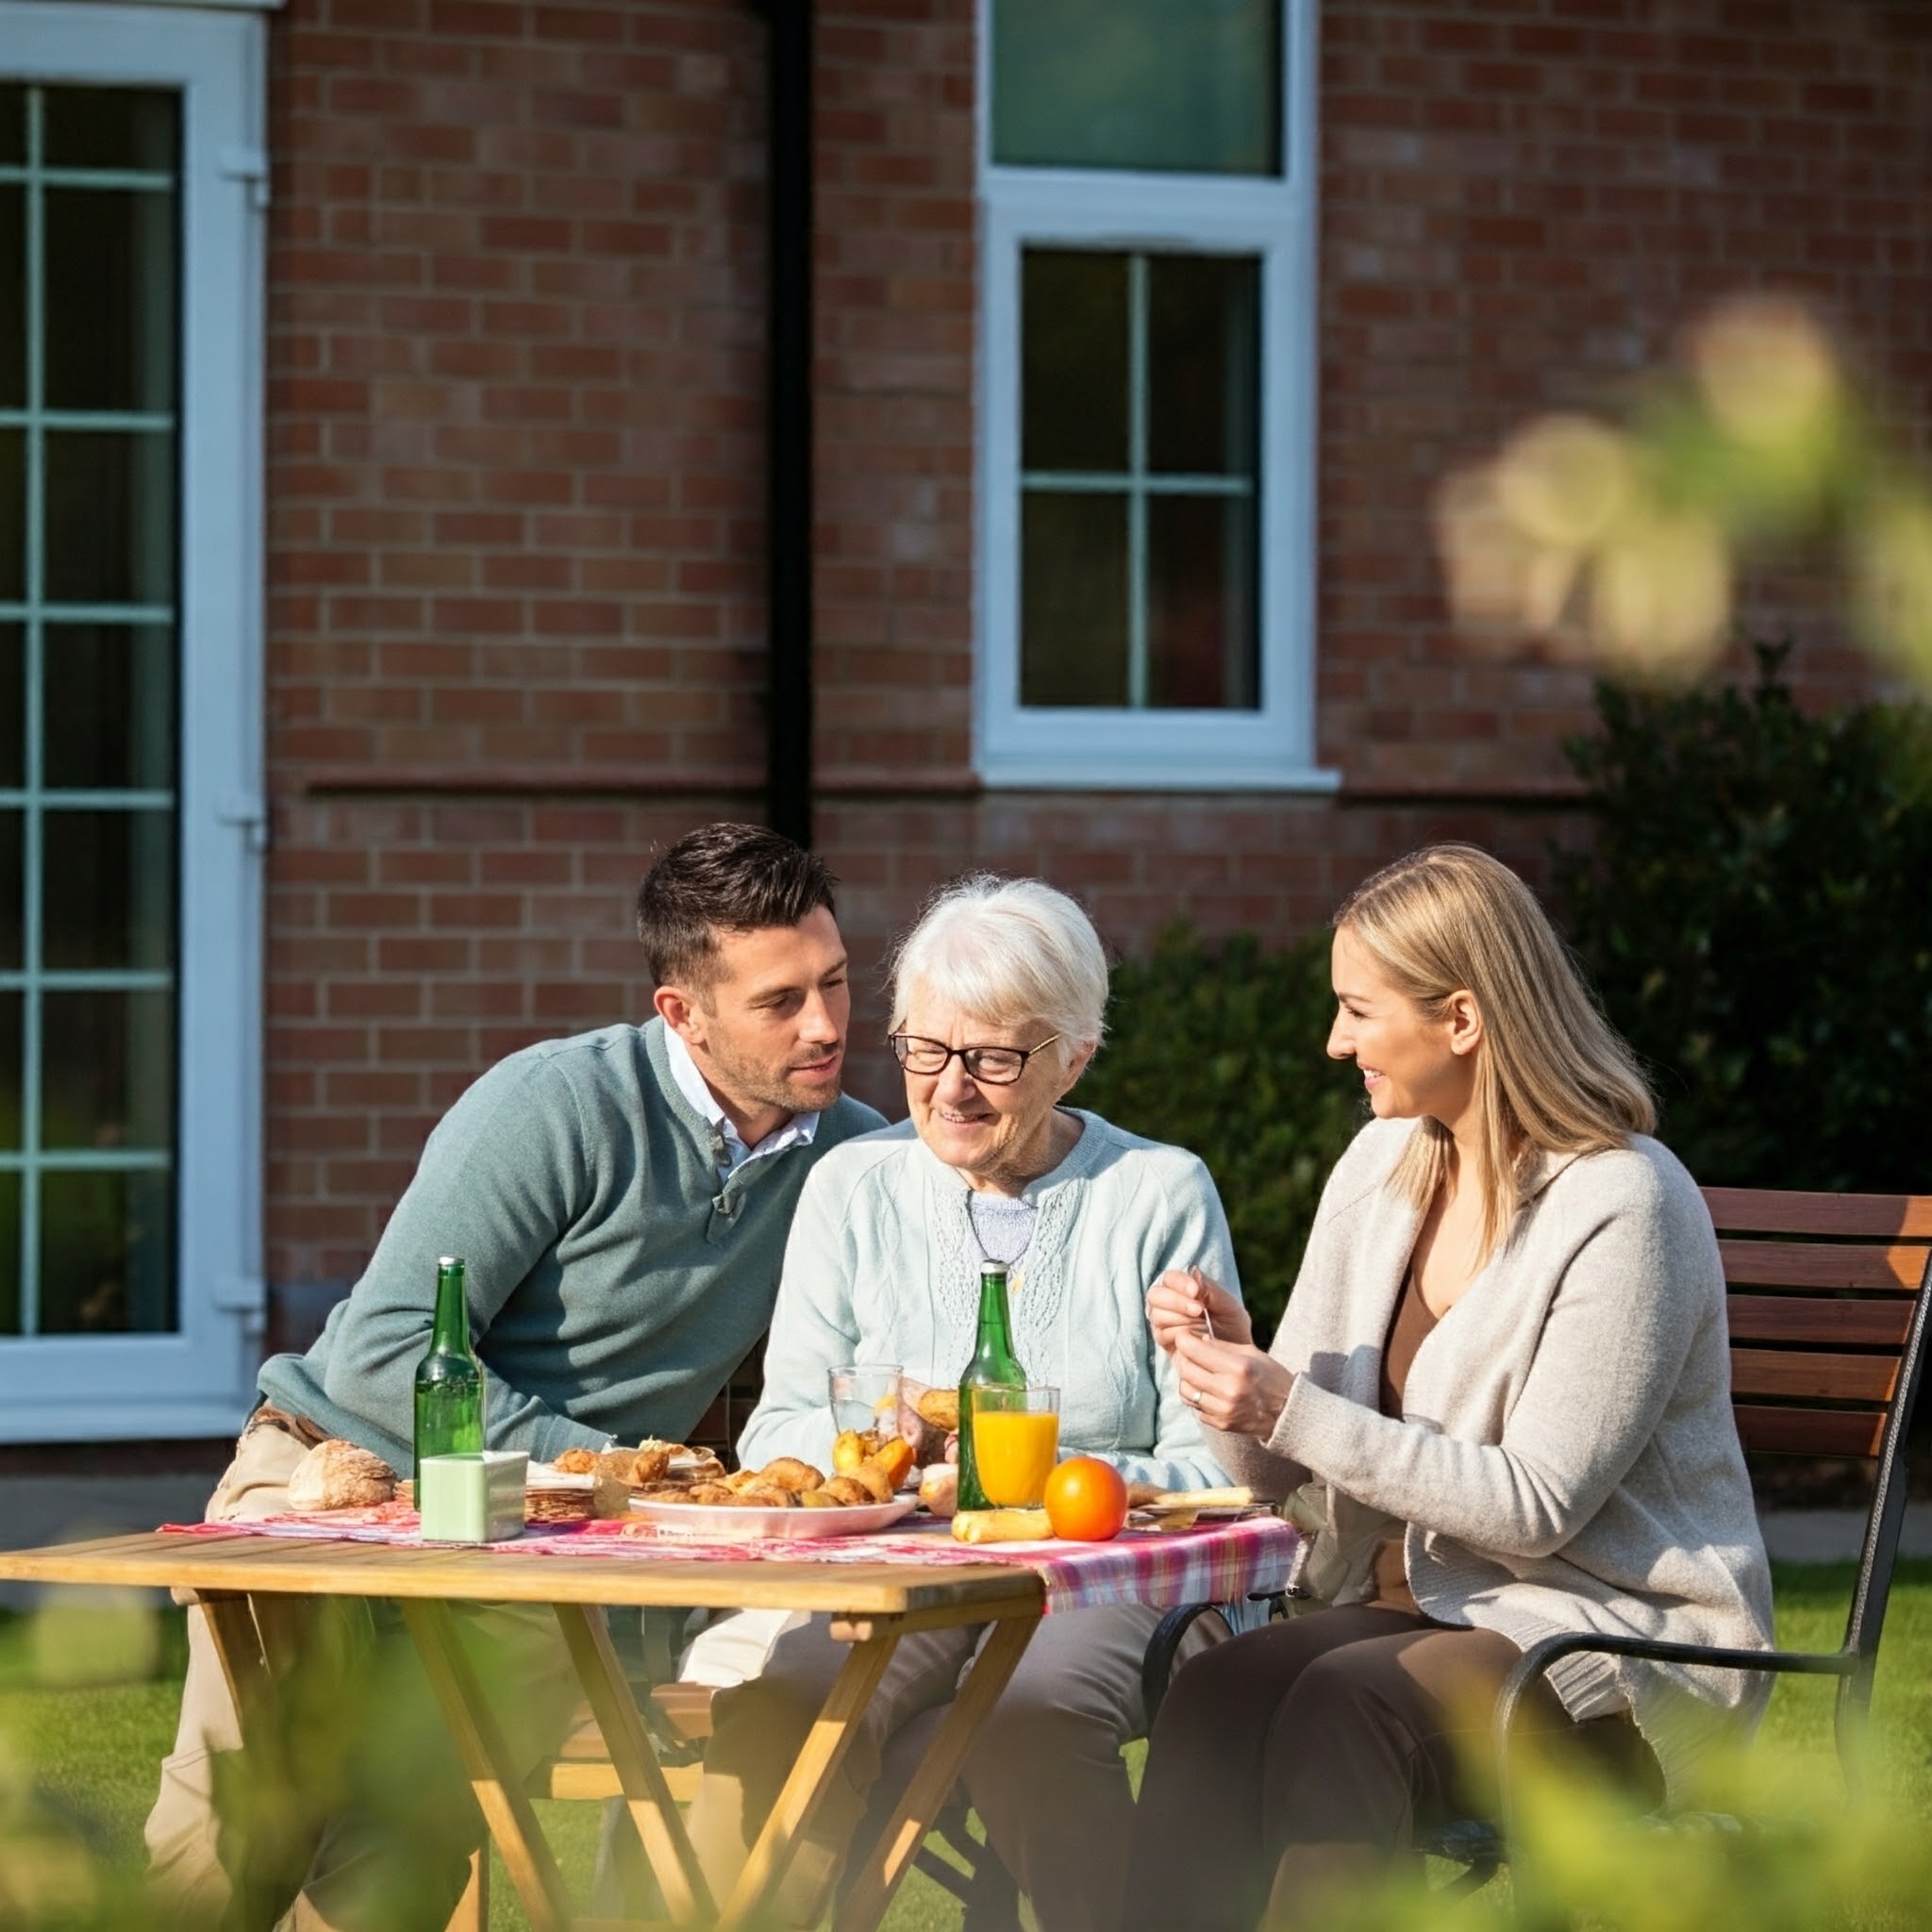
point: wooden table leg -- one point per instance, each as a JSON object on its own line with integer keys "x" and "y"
{"x": 493, "y": 1775}
{"x": 653, "y": 1809}
{"x": 825, "y": 1749}
{"x": 925, "y": 1794}
{"x": 237, "y": 1646}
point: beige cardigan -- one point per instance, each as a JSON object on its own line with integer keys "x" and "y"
{"x": 1567, "y": 1457}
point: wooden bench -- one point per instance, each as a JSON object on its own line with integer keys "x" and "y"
{"x": 1828, "y": 1297}
{"x": 1828, "y": 1300}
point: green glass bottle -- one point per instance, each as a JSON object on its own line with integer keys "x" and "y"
{"x": 994, "y": 1366}
{"x": 449, "y": 1380}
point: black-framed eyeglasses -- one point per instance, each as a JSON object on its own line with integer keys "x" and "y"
{"x": 995, "y": 1066}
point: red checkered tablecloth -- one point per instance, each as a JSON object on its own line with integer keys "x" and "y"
{"x": 1212, "y": 1562}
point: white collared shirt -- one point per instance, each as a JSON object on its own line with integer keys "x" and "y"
{"x": 729, "y": 1150}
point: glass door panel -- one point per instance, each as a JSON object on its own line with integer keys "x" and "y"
{"x": 90, "y": 668}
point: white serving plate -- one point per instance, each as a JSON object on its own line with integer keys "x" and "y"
{"x": 721, "y": 1522}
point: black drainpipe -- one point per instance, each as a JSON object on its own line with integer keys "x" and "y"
{"x": 788, "y": 418}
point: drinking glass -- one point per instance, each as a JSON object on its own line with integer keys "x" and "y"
{"x": 865, "y": 1397}
{"x": 1016, "y": 1441}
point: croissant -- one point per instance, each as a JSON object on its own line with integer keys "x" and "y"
{"x": 874, "y": 1480}
{"x": 789, "y": 1472}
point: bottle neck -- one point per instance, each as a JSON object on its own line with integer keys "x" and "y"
{"x": 995, "y": 1357}
{"x": 451, "y": 1334}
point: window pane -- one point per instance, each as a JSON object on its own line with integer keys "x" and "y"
{"x": 1073, "y": 369}
{"x": 12, "y": 706}
{"x": 108, "y": 1063}
{"x": 1203, "y": 641}
{"x": 13, "y": 296}
{"x": 110, "y": 694}
{"x": 10, "y": 1009}
{"x": 1203, "y": 369}
{"x": 13, "y": 127}
{"x": 110, "y": 889}
{"x": 106, "y": 1242}
{"x": 13, "y": 516}
{"x": 9, "y": 1254}
{"x": 109, "y": 127}
{"x": 1190, "y": 85}
{"x": 1073, "y": 599}
{"x": 110, "y": 516}
{"x": 12, "y": 830}
{"x": 110, "y": 294}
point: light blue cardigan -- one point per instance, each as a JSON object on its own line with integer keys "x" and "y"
{"x": 882, "y": 1267}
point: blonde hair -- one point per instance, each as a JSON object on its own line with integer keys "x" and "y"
{"x": 1007, "y": 951}
{"x": 1551, "y": 1075}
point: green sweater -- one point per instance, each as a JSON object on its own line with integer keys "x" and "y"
{"x": 613, "y": 1283}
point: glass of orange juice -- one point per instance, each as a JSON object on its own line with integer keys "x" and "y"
{"x": 1016, "y": 1441}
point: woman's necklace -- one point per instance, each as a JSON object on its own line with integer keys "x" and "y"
{"x": 1006, "y": 1233}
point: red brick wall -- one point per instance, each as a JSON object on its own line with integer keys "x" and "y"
{"x": 516, "y": 478}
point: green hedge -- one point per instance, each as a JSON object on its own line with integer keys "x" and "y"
{"x": 1220, "y": 1048}
{"x": 1755, "y": 910}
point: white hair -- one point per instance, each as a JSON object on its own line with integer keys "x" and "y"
{"x": 1007, "y": 951}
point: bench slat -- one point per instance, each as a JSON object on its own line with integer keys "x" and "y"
{"x": 1875, "y": 1216}
{"x": 1820, "y": 1377}
{"x": 1835, "y": 1322}
{"x": 1810, "y": 1431}
{"x": 1795, "y": 1264}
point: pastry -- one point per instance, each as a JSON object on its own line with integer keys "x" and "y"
{"x": 875, "y": 1481}
{"x": 338, "y": 1476}
{"x": 576, "y": 1462}
{"x": 940, "y": 1408}
{"x": 789, "y": 1472}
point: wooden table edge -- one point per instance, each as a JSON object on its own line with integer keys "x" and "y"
{"x": 242, "y": 1564}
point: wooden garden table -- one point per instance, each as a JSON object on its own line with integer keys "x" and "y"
{"x": 250, "y": 1585}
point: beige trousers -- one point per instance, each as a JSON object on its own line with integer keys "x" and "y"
{"x": 1045, "y": 1774}
{"x": 365, "y": 1818}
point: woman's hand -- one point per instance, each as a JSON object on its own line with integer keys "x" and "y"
{"x": 1185, "y": 1301}
{"x": 1231, "y": 1385}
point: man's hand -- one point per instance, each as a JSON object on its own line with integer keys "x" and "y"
{"x": 1187, "y": 1302}
{"x": 1231, "y": 1385}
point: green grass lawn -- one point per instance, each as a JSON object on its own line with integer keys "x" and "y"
{"x": 93, "y": 1748}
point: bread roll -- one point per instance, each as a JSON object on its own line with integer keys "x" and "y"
{"x": 652, "y": 1461}
{"x": 338, "y": 1476}
{"x": 847, "y": 1490}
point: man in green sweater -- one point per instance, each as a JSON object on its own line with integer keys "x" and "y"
{"x": 622, "y": 1199}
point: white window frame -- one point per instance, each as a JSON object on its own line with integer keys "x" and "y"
{"x": 1273, "y": 220}
{"x": 199, "y": 1380}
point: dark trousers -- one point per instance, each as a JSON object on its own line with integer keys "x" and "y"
{"x": 1302, "y": 1756}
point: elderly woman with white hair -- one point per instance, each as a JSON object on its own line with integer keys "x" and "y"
{"x": 998, "y": 996}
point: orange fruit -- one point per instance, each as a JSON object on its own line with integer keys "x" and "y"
{"x": 1086, "y": 1500}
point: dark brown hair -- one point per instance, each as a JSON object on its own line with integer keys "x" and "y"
{"x": 723, "y": 878}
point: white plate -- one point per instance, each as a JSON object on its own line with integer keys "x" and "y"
{"x": 721, "y": 1522}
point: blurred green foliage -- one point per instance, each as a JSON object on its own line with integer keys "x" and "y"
{"x": 1756, "y": 912}
{"x": 1218, "y": 1046}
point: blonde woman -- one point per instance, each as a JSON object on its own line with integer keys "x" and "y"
{"x": 1501, "y": 1397}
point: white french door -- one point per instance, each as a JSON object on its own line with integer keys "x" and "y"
{"x": 131, "y": 197}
